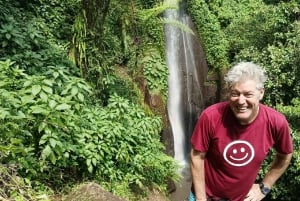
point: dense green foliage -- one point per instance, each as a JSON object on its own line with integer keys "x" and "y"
{"x": 267, "y": 33}
{"x": 132, "y": 31}
{"x": 252, "y": 30}
{"x": 48, "y": 126}
{"x": 287, "y": 188}
{"x": 66, "y": 112}
{"x": 213, "y": 38}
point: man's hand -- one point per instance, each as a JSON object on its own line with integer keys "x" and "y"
{"x": 201, "y": 199}
{"x": 254, "y": 194}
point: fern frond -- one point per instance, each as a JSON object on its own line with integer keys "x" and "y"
{"x": 145, "y": 14}
{"x": 177, "y": 24}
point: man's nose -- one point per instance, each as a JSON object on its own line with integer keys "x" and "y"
{"x": 241, "y": 99}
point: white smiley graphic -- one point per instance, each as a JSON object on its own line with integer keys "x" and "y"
{"x": 238, "y": 153}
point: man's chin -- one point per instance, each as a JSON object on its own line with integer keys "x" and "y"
{"x": 243, "y": 118}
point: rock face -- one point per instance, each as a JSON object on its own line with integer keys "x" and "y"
{"x": 91, "y": 192}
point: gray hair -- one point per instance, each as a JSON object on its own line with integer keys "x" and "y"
{"x": 246, "y": 71}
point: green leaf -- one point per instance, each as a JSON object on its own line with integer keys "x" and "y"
{"x": 66, "y": 155}
{"x": 39, "y": 110}
{"x": 52, "y": 103}
{"x": 74, "y": 91}
{"x": 55, "y": 74}
{"x": 4, "y": 43}
{"x": 3, "y": 83}
{"x": 43, "y": 96}
{"x": 80, "y": 97}
{"x": 36, "y": 89}
{"x": 15, "y": 141}
{"x": 47, "y": 89}
{"x": 42, "y": 126}
{"x": 48, "y": 82}
{"x": 53, "y": 142}
{"x": 53, "y": 158}
{"x": 63, "y": 106}
{"x": 90, "y": 169}
{"x": 77, "y": 106}
{"x": 94, "y": 161}
{"x": 27, "y": 83}
{"x": 65, "y": 91}
{"x": 88, "y": 162}
{"x": 27, "y": 99}
{"x": 8, "y": 36}
{"x": 21, "y": 115}
{"x": 46, "y": 152}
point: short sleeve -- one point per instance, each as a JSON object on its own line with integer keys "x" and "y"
{"x": 200, "y": 139}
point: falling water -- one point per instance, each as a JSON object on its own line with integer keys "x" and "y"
{"x": 175, "y": 110}
{"x": 185, "y": 99}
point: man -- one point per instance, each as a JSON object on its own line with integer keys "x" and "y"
{"x": 231, "y": 139}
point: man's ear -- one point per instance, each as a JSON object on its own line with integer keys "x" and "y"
{"x": 261, "y": 93}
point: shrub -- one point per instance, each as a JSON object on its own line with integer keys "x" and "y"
{"x": 54, "y": 132}
{"x": 286, "y": 188}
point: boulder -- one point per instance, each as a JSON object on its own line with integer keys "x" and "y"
{"x": 91, "y": 192}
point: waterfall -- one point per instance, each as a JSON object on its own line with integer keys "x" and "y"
{"x": 175, "y": 110}
{"x": 185, "y": 96}
{"x": 187, "y": 72}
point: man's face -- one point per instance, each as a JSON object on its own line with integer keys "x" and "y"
{"x": 244, "y": 100}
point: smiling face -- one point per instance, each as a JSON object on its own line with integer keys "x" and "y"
{"x": 244, "y": 100}
{"x": 238, "y": 153}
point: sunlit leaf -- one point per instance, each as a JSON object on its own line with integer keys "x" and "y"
{"x": 36, "y": 89}
{"x": 27, "y": 99}
{"x": 52, "y": 142}
{"x": 74, "y": 90}
{"x": 63, "y": 106}
{"x": 27, "y": 83}
{"x": 80, "y": 97}
{"x": 52, "y": 103}
{"x": 43, "y": 96}
{"x": 47, "y": 89}
{"x": 39, "y": 110}
{"x": 46, "y": 152}
{"x": 48, "y": 82}
{"x": 42, "y": 126}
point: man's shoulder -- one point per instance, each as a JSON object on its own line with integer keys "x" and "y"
{"x": 270, "y": 110}
{"x": 271, "y": 113}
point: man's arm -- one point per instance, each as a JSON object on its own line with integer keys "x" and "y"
{"x": 198, "y": 176}
{"x": 277, "y": 168}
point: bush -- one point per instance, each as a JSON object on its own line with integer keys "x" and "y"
{"x": 286, "y": 188}
{"x": 54, "y": 133}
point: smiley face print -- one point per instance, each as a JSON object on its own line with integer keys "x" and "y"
{"x": 238, "y": 153}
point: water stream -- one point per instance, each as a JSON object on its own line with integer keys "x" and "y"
{"x": 185, "y": 99}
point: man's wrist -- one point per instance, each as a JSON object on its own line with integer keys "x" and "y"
{"x": 264, "y": 189}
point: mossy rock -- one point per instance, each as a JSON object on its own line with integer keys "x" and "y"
{"x": 91, "y": 192}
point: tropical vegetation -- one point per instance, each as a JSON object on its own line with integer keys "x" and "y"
{"x": 72, "y": 107}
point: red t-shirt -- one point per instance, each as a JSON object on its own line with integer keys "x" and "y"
{"x": 234, "y": 152}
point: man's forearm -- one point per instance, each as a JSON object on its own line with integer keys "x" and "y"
{"x": 278, "y": 167}
{"x": 198, "y": 176}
